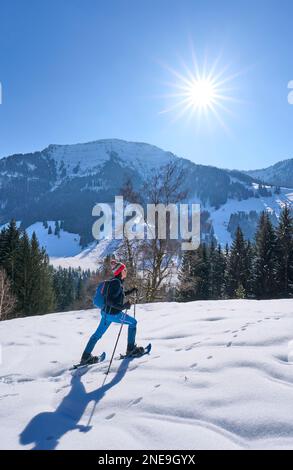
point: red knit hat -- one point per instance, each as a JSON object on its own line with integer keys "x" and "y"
{"x": 117, "y": 267}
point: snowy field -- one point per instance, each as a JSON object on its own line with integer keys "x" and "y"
{"x": 220, "y": 376}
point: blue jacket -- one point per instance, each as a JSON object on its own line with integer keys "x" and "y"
{"x": 115, "y": 296}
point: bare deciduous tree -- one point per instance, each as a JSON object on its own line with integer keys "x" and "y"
{"x": 129, "y": 249}
{"x": 7, "y": 298}
{"x": 165, "y": 186}
{"x": 151, "y": 261}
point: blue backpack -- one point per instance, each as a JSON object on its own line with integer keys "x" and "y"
{"x": 99, "y": 299}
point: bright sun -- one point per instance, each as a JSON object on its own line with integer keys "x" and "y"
{"x": 199, "y": 92}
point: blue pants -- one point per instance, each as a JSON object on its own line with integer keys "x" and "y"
{"x": 105, "y": 322}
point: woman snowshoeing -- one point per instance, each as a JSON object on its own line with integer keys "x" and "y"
{"x": 112, "y": 312}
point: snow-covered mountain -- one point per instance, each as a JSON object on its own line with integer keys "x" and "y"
{"x": 89, "y": 158}
{"x": 63, "y": 182}
{"x": 280, "y": 174}
{"x": 220, "y": 376}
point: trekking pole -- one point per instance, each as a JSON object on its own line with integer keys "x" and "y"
{"x": 135, "y": 304}
{"x": 111, "y": 360}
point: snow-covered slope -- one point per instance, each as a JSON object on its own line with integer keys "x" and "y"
{"x": 272, "y": 204}
{"x": 63, "y": 244}
{"x": 220, "y": 376}
{"x": 88, "y": 258}
{"x": 280, "y": 174}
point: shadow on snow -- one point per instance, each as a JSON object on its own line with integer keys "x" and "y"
{"x": 45, "y": 429}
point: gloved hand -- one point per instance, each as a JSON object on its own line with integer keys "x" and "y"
{"x": 127, "y": 305}
{"x": 130, "y": 291}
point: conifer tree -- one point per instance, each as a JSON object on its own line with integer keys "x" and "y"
{"x": 185, "y": 291}
{"x": 9, "y": 242}
{"x": 79, "y": 289}
{"x": 249, "y": 263}
{"x": 42, "y": 295}
{"x": 48, "y": 300}
{"x": 284, "y": 254}
{"x": 24, "y": 276}
{"x": 265, "y": 259}
{"x": 200, "y": 271}
{"x": 237, "y": 272}
{"x": 57, "y": 229}
{"x": 217, "y": 272}
{"x": 212, "y": 270}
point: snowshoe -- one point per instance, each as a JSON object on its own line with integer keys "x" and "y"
{"x": 90, "y": 360}
{"x": 136, "y": 351}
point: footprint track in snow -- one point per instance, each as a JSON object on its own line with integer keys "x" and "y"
{"x": 15, "y": 379}
{"x": 136, "y": 401}
{"x": 46, "y": 335}
{"x": 191, "y": 346}
{"x": 8, "y": 395}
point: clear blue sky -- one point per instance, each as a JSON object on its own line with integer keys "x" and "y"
{"x": 82, "y": 70}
